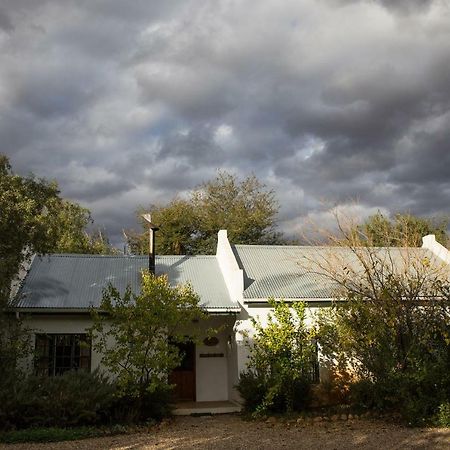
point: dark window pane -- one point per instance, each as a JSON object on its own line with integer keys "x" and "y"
{"x": 58, "y": 353}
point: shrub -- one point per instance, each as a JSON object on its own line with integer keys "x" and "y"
{"x": 75, "y": 398}
{"x": 392, "y": 328}
{"x": 152, "y": 405}
{"x": 252, "y": 388}
{"x": 417, "y": 395}
{"x": 131, "y": 334}
{"x": 282, "y": 354}
{"x": 49, "y": 434}
{"x": 443, "y": 415}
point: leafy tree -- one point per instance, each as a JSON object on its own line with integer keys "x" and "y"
{"x": 179, "y": 225}
{"x": 132, "y": 332}
{"x": 245, "y": 208}
{"x": 282, "y": 357}
{"x": 23, "y": 221}
{"x": 379, "y": 231}
{"x": 390, "y": 325}
{"x": 34, "y": 219}
{"x": 23, "y": 230}
{"x": 69, "y": 224}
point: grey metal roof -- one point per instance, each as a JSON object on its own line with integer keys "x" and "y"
{"x": 76, "y": 281}
{"x": 291, "y": 272}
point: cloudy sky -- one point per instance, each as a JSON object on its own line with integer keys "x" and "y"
{"x": 129, "y": 103}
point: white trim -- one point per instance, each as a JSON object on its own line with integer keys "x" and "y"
{"x": 235, "y": 309}
{"x": 290, "y": 300}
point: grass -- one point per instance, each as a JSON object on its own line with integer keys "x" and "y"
{"x": 53, "y": 434}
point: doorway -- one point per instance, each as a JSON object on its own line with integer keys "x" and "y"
{"x": 183, "y": 376}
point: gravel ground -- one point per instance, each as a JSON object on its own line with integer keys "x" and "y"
{"x": 231, "y": 432}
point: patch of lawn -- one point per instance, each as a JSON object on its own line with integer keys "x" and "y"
{"x": 53, "y": 434}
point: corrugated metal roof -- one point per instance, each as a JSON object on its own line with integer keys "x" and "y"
{"x": 293, "y": 271}
{"x": 77, "y": 281}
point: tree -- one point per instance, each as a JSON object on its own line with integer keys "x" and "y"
{"x": 33, "y": 219}
{"x": 23, "y": 221}
{"x": 69, "y": 225}
{"x": 378, "y": 230}
{"x": 245, "y": 208}
{"x": 281, "y": 364}
{"x": 390, "y": 323}
{"x": 179, "y": 225}
{"x": 132, "y": 333}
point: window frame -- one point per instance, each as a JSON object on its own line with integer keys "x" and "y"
{"x": 50, "y": 355}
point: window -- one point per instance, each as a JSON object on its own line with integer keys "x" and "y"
{"x": 314, "y": 371}
{"x": 58, "y": 353}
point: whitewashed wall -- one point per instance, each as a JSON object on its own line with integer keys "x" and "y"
{"x": 212, "y": 374}
{"x": 60, "y": 324}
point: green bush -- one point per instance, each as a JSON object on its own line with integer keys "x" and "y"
{"x": 75, "y": 398}
{"x": 282, "y": 354}
{"x": 48, "y": 434}
{"x": 252, "y": 389}
{"x": 443, "y": 415}
{"x": 151, "y": 405}
{"x": 418, "y": 395}
{"x": 263, "y": 395}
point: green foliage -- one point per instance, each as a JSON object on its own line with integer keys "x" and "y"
{"x": 154, "y": 405}
{"x": 34, "y": 219}
{"x": 252, "y": 387}
{"x": 54, "y": 434}
{"x": 245, "y": 208}
{"x": 390, "y": 327}
{"x": 69, "y": 224}
{"x": 23, "y": 221}
{"x": 443, "y": 415}
{"x": 75, "y": 398}
{"x": 132, "y": 333}
{"x": 402, "y": 230}
{"x": 416, "y": 394}
{"x": 14, "y": 345}
{"x": 282, "y": 354}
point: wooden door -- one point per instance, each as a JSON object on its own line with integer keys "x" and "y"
{"x": 183, "y": 376}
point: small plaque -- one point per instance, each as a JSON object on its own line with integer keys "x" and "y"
{"x": 211, "y": 341}
{"x": 211, "y": 355}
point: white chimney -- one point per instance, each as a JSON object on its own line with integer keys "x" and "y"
{"x": 438, "y": 249}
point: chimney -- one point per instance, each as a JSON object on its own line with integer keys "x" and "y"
{"x": 152, "y": 228}
{"x": 438, "y": 249}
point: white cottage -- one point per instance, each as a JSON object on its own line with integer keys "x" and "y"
{"x": 233, "y": 285}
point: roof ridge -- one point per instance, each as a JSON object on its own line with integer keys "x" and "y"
{"x": 279, "y": 246}
{"x": 88, "y": 255}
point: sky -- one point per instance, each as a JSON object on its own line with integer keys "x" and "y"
{"x": 328, "y": 102}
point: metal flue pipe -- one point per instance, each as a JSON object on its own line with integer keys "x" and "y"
{"x": 151, "y": 242}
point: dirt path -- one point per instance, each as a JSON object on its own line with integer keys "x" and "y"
{"x": 231, "y": 432}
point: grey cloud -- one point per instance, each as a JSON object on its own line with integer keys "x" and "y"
{"x": 406, "y": 6}
{"x": 5, "y": 21}
{"x": 54, "y": 94}
{"x": 132, "y": 103}
{"x": 396, "y": 6}
{"x": 96, "y": 190}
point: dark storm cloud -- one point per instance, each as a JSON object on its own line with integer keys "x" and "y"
{"x": 131, "y": 103}
{"x": 5, "y": 21}
{"x": 406, "y": 6}
{"x": 397, "y": 6}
